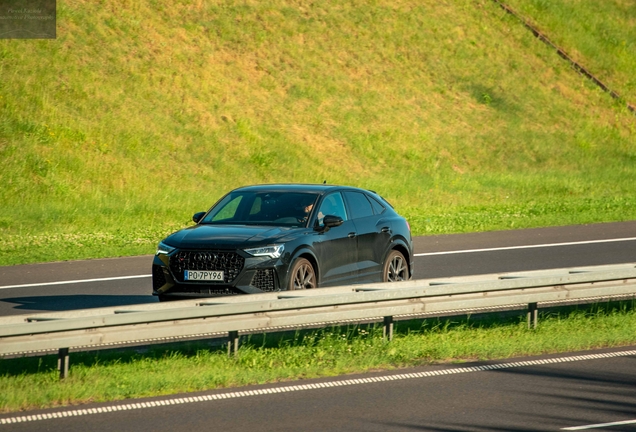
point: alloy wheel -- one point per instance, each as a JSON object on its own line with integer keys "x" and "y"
{"x": 396, "y": 270}
{"x": 304, "y": 276}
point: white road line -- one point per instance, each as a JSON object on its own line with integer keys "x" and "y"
{"x": 306, "y": 387}
{"x": 417, "y": 255}
{"x": 75, "y": 281}
{"x": 600, "y": 425}
{"x": 527, "y": 246}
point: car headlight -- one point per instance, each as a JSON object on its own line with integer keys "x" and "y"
{"x": 273, "y": 251}
{"x": 164, "y": 249}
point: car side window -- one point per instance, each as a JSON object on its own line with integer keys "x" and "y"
{"x": 359, "y": 205}
{"x": 332, "y": 205}
{"x": 378, "y": 208}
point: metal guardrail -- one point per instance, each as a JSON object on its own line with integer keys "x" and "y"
{"x": 219, "y": 317}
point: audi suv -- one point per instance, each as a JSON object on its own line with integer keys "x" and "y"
{"x": 281, "y": 237}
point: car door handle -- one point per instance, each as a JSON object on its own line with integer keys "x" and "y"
{"x": 385, "y": 229}
{"x": 351, "y": 235}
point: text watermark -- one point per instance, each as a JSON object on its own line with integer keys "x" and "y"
{"x": 27, "y": 19}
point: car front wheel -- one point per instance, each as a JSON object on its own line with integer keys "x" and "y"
{"x": 302, "y": 275}
{"x": 395, "y": 268}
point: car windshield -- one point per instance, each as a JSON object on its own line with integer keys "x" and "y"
{"x": 290, "y": 209}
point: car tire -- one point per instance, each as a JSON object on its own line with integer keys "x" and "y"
{"x": 163, "y": 298}
{"x": 302, "y": 275}
{"x": 395, "y": 268}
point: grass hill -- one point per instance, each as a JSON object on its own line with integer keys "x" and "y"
{"x": 598, "y": 34}
{"x": 143, "y": 112}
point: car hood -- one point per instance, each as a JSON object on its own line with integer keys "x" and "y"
{"x": 230, "y": 236}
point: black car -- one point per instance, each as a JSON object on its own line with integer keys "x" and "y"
{"x": 284, "y": 237}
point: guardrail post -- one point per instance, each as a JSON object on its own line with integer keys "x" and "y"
{"x": 533, "y": 315}
{"x": 232, "y": 343}
{"x": 62, "y": 362}
{"x": 387, "y": 331}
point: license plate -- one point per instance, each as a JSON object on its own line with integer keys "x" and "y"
{"x": 203, "y": 275}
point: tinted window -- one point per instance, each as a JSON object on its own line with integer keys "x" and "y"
{"x": 332, "y": 205}
{"x": 256, "y": 206}
{"x": 263, "y": 208}
{"x": 359, "y": 205}
{"x": 228, "y": 211}
{"x": 378, "y": 208}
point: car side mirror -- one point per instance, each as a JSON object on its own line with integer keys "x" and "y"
{"x": 198, "y": 216}
{"x": 330, "y": 221}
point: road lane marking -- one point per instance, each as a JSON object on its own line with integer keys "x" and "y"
{"x": 526, "y": 246}
{"x": 75, "y": 281}
{"x": 303, "y": 387}
{"x": 600, "y": 425}
{"x": 417, "y": 255}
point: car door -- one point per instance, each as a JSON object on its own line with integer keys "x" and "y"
{"x": 373, "y": 234}
{"x": 336, "y": 247}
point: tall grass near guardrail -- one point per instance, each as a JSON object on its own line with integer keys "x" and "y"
{"x": 106, "y": 376}
{"x": 142, "y": 113}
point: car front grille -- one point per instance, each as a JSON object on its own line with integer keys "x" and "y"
{"x": 264, "y": 280}
{"x": 230, "y": 263}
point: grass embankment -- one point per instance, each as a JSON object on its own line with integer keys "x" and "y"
{"x": 597, "y": 34}
{"x": 116, "y": 376}
{"x": 142, "y": 113}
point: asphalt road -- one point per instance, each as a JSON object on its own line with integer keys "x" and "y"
{"x": 544, "y": 394}
{"x": 41, "y": 287}
{"x": 548, "y": 393}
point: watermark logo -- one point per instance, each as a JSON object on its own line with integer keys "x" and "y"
{"x": 27, "y": 19}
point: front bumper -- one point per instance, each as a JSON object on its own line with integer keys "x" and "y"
{"x": 247, "y": 275}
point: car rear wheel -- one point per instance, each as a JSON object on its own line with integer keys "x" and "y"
{"x": 303, "y": 275}
{"x": 395, "y": 268}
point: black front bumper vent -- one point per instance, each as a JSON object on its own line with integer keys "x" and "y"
{"x": 158, "y": 278}
{"x": 264, "y": 280}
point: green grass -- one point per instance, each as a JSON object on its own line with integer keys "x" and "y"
{"x": 599, "y": 35}
{"x": 142, "y": 113}
{"x": 138, "y": 116}
{"x": 107, "y": 376}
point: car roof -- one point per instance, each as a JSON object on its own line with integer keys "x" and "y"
{"x": 296, "y": 187}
